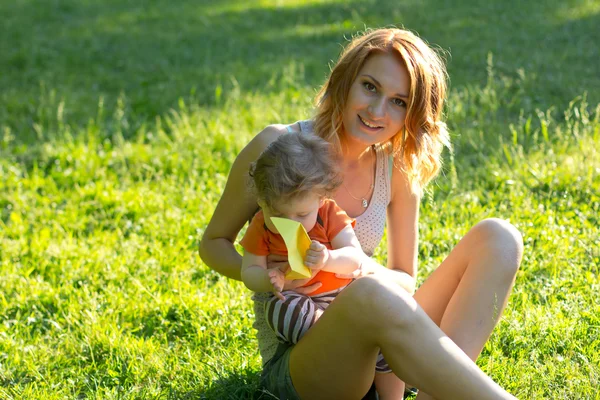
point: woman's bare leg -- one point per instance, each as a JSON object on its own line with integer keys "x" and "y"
{"x": 468, "y": 292}
{"x": 336, "y": 358}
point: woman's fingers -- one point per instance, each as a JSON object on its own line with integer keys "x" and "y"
{"x": 298, "y": 282}
{"x": 308, "y": 289}
{"x": 357, "y": 273}
{"x": 292, "y": 285}
{"x": 352, "y": 275}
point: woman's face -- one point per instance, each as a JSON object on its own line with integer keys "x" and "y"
{"x": 377, "y": 101}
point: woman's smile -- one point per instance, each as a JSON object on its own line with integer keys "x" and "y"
{"x": 369, "y": 125}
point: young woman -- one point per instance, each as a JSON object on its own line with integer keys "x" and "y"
{"x": 382, "y": 108}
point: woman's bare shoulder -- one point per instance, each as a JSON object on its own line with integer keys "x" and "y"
{"x": 401, "y": 187}
{"x": 266, "y": 137}
{"x": 227, "y": 224}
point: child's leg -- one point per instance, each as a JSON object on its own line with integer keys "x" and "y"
{"x": 291, "y": 319}
{"x": 388, "y": 385}
{"x": 382, "y": 366}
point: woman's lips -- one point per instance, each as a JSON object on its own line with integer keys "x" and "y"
{"x": 368, "y": 124}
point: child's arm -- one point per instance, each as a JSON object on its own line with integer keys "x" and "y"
{"x": 345, "y": 257}
{"x": 258, "y": 278}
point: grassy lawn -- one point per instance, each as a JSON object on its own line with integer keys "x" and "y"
{"x": 119, "y": 122}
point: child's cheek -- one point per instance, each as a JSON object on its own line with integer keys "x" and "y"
{"x": 309, "y": 225}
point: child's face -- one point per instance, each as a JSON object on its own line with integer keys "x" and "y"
{"x": 300, "y": 209}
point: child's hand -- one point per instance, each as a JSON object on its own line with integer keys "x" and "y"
{"x": 277, "y": 279}
{"x": 316, "y": 256}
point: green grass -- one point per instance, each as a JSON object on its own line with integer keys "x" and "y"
{"x": 119, "y": 123}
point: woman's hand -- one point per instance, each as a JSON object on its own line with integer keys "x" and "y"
{"x": 370, "y": 267}
{"x": 364, "y": 270}
{"x": 296, "y": 284}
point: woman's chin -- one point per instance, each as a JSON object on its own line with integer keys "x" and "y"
{"x": 363, "y": 138}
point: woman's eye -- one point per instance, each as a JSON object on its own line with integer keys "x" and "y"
{"x": 399, "y": 102}
{"x": 369, "y": 86}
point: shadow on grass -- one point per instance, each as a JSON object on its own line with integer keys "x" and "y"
{"x": 79, "y": 52}
{"x": 243, "y": 385}
{"x": 246, "y": 386}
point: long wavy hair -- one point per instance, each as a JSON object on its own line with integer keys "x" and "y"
{"x": 417, "y": 148}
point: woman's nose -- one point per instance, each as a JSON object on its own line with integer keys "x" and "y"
{"x": 377, "y": 107}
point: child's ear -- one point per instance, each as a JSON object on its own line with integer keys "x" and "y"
{"x": 322, "y": 201}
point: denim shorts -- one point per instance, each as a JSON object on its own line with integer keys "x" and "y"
{"x": 276, "y": 379}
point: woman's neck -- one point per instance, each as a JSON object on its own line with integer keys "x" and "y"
{"x": 356, "y": 156}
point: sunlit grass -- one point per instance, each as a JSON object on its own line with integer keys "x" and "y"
{"x": 105, "y": 191}
{"x": 102, "y": 288}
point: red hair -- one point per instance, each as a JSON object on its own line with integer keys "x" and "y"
{"x": 417, "y": 148}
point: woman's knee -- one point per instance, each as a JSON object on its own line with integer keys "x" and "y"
{"x": 376, "y": 301}
{"x": 501, "y": 239}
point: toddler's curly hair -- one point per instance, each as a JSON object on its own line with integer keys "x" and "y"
{"x": 294, "y": 165}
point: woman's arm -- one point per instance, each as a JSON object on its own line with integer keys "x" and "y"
{"x": 403, "y": 229}
{"x": 234, "y": 209}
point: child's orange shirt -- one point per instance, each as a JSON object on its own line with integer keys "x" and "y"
{"x": 331, "y": 220}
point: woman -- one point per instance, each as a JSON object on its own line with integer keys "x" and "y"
{"x": 382, "y": 108}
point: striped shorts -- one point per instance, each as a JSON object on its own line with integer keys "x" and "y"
{"x": 292, "y": 318}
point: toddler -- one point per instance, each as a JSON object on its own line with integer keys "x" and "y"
{"x": 293, "y": 178}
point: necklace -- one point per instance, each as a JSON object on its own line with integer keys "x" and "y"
{"x": 362, "y": 198}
